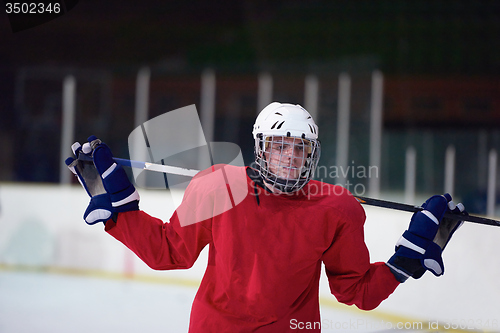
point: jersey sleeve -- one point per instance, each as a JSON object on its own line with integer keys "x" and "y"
{"x": 351, "y": 276}
{"x": 175, "y": 244}
{"x": 161, "y": 246}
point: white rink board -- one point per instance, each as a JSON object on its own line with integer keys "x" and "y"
{"x": 42, "y": 226}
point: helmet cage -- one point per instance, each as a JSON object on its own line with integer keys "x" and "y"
{"x": 278, "y": 168}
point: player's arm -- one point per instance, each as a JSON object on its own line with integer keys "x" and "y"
{"x": 115, "y": 202}
{"x": 353, "y": 280}
{"x": 172, "y": 245}
{"x": 160, "y": 245}
{"x": 351, "y": 276}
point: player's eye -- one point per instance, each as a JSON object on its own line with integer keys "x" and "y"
{"x": 280, "y": 146}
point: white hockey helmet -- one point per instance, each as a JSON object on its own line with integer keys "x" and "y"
{"x": 279, "y": 120}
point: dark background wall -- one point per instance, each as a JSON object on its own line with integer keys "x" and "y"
{"x": 440, "y": 59}
{"x": 405, "y": 37}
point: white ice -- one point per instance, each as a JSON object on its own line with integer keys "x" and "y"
{"x": 38, "y": 302}
{"x": 32, "y": 302}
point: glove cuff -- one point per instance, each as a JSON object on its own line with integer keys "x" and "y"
{"x": 98, "y": 210}
{"x": 403, "y": 267}
{"x": 123, "y": 194}
{"x": 414, "y": 255}
{"x": 399, "y": 273}
{"x": 128, "y": 203}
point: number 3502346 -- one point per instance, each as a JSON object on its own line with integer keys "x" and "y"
{"x": 32, "y": 8}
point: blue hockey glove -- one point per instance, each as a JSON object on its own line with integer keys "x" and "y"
{"x": 106, "y": 182}
{"x": 99, "y": 208}
{"x": 421, "y": 246}
{"x": 83, "y": 167}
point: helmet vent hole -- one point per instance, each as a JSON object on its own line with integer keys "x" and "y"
{"x": 278, "y": 113}
{"x": 274, "y": 125}
{"x": 279, "y": 126}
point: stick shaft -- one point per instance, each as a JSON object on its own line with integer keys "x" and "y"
{"x": 413, "y": 209}
{"x": 157, "y": 167}
{"x": 362, "y": 200}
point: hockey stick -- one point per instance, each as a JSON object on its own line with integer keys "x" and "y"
{"x": 148, "y": 166}
{"x": 414, "y": 209}
{"x": 362, "y": 200}
{"x": 157, "y": 167}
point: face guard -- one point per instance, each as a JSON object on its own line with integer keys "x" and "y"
{"x": 287, "y": 150}
{"x": 286, "y": 163}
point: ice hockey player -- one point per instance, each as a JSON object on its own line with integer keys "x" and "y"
{"x": 266, "y": 247}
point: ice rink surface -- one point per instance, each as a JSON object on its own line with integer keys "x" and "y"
{"x": 59, "y": 303}
{"x": 32, "y": 302}
{"x": 40, "y": 302}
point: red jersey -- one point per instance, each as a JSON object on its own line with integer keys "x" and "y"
{"x": 265, "y": 253}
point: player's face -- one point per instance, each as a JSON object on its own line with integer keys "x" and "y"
{"x": 286, "y": 156}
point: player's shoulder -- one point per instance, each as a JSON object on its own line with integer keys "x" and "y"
{"x": 328, "y": 191}
{"x": 219, "y": 176}
{"x": 220, "y": 168}
{"x": 337, "y": 198}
